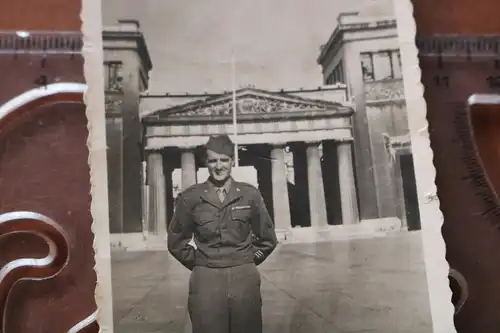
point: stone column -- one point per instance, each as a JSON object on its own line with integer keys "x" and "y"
{"x": 317, "y": 204}
{"x": 168, "y": 168}
{"x": 158, "y": 217}
{"x": 348, "y": 198}
{"x": 145, "y": 201}
{"x": 188, "y": 166}
{"x": 281, "y": 204}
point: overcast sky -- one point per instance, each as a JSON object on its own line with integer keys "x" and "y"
{"x": 276, "y": 42}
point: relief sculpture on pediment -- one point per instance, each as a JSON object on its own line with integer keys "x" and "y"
{"x": 250, "y": 105}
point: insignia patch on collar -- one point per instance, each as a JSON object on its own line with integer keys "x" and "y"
{"x": 240, "y": 207}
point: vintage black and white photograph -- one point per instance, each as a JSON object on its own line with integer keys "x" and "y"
{"x": 261, "y": 174}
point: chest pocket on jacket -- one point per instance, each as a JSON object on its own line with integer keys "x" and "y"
{"x": 241, "y": 219}
{"x": 241, "y": 213}
{"x": 206, "y": 225}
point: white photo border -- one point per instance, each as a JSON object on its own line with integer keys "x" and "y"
{"x": 437, "y": 268}
{"x": 94, "y": 99}
{"x": 434, "y": 247}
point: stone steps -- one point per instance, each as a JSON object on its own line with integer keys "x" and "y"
{"x": 364, "y": 229}
{"x": 307, "y": 235}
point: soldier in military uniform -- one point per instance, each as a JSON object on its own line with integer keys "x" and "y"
{"x": 233, "y": 233}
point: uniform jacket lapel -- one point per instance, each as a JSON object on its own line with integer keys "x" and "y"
{"x": 209, "y": 194}
{"x": 233, "y": 194}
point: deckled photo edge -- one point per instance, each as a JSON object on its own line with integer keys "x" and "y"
{"x": 431, "y": 217}
{"x": 94, "y": 100}
{"x": 437, "y": 268}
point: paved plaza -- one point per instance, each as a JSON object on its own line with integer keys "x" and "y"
{"x": 375, "y": 285}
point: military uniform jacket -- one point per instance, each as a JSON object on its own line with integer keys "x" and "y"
{"x": 230, "y": 233}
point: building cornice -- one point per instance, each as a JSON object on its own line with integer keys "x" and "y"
{"x": 250, "y": 118}
{"x": 136, "y": 36}
{"x": 342, "y": 28}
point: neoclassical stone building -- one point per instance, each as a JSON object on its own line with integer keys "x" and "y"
{"x": 338, "y": 154}
{"x": 363, "y": 53}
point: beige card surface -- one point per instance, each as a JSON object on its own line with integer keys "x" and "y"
{"x": 323, "y": 102}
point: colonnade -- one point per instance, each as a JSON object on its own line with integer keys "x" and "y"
{"x": 309, "y": 177}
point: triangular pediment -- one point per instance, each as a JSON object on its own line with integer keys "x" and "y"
{"x": 248, "y": 101}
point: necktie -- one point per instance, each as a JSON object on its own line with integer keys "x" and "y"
{"x": 222, "y": 194}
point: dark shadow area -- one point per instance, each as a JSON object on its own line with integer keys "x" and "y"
{"x": 330, "y": 170}
{"x": 299, "y": 207}
{"x": 410, "y": 192}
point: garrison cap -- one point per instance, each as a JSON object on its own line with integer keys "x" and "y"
{"x": 221, "y": 144}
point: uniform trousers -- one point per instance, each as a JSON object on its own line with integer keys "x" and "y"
{"x": 225, "y": 300}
